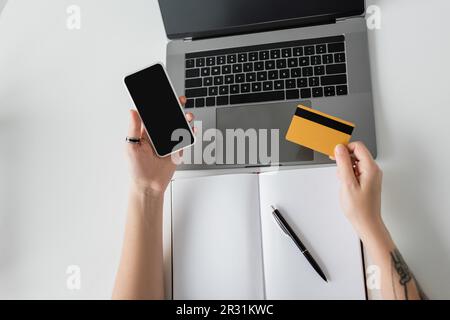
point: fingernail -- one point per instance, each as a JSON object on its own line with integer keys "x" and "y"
{"x": 340, "y": 149}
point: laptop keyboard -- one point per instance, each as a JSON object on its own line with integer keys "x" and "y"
{"x": 304, "y": 69}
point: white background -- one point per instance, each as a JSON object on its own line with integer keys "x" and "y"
{"x": 64, "y": 116}
{"x": 2, "y": 4}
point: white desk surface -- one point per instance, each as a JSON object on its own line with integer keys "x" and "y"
{"x": 63, "y": 118}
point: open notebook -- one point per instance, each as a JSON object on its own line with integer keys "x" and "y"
{"x": 226, "y": 244}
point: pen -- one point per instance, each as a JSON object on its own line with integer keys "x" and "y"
{"x": 288, "y": 230}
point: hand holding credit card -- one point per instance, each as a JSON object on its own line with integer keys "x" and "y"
{"x": 318, "y": 131}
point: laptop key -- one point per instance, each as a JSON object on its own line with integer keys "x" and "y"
{"x": 319, "y": 70}
{"x": 193, "y": 83}
{"x": 215, "y": 71}
{"x": 297, "y": 52}
{"x": 286, "y": 52}
{"x": 261, "y": 76}
{"x": 190, "y": 103}
{"x": 257, "y": 97}
{"x": 256, "y": 86}
{"x": 327, "y": 58}
{"x": 292, "y": 94}
{"x": 264, "y": 55}
{"x": 237, "y": 68}
{"x": 210, "y": 102}
{"x": 231, "y": 58}
{"x": 226, "y": 69}
{"x": 296, "y": 73}
{"x": 316, "y": 60}
{"x": 200, "y": 102}
{"x": 222, "y": 101}
{"x": 279, "y": 85}
{"x": 321, "y": 48}
{"x": 242, "y": 57}
{"x": 275, "y": 54}
{"x": 218, "y": 81}
{"x": 190, "y": 63}
{"x": 339, "y": 57}
{"x": 268, "y": 86}
{"x": 310, "y": 50}
{"x": 205, "y": 72}
{"x": 213, "y": 91}
{"x": 200, "y": 62}
{"x": 239, "y": 78}
{"x": 253, "y": 56}
{"x": 248, "y": 67}
{"x": 273, "y": 75}
{"x": 290, "y": 84}
{"x": 223, "y": 90}
{"x": 329, "y": 91}
{"x": 245, "y": 87}
{"x": 221, "y": 60}
{"x": 307, "y": 71}
{"x": 302, "y": 83}
{"x": 342, "y": 90}
{"x": 314, "y": 82}
{"x": 303, "y": 61}
{"x": 317, "y": 92}
{"x": 305, "y": 93}
{"x": 192, "y": 73}
{"x": 229, "y": 79}
{"x": 234, "y": 89}
{"x": 250, "y": 77}
{"x": 292, "y": 62}
{"x": 208, "y": 81}
{"x": 270, "y": 65}
{"x": 258, "y": 66}
{"x": 336, "y": 68}
{"x": 284, "y": 74}
{"x": 281, "y": 63}
{"x": 336, "y": 47}
{"x": 210, "y": 61}
{"x": 196, "y": 93}
{"x": 333, "y": 80}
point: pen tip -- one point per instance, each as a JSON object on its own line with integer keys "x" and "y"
{"x": 273, "y": 208}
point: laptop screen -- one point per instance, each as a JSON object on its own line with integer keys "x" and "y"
{"x": 206, "y": 18}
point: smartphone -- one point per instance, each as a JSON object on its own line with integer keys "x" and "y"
{"x": 160, "y": 110}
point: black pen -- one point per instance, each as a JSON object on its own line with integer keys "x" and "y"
{"x": 288, "y": 230}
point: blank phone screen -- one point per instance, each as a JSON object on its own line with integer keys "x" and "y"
{"x": 159, "y": 109}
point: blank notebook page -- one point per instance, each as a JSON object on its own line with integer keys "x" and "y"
{"x": 217, "y": 238}
{"x": 309, "y": 200}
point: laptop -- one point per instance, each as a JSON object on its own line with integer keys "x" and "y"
{"x": 248, "y": 64}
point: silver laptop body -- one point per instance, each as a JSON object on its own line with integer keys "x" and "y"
{"x": 249, "y": 112}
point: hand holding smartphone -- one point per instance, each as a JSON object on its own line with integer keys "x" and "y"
{"x": 160, "y": 110}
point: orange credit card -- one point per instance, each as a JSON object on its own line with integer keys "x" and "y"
{"x": 318, "y": 131}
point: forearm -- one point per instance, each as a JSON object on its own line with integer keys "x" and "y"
{"x": 141, "y": 273}
{"x": 397, "y": 281}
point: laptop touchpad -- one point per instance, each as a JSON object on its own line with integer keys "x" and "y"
{"x": 268, "y": 117}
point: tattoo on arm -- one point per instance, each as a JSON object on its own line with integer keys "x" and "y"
{"x": 402, "y": 270}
